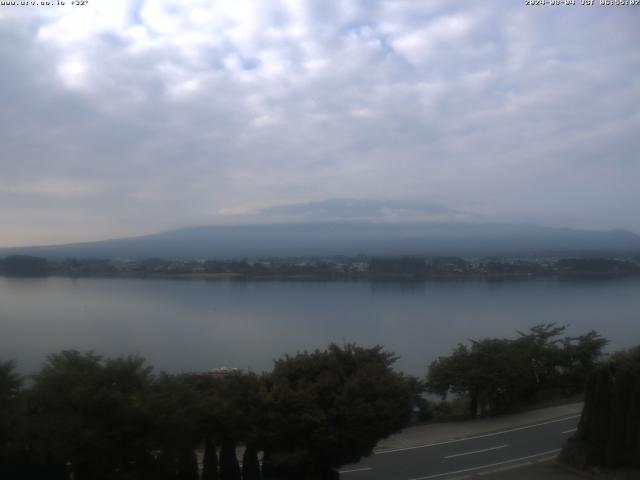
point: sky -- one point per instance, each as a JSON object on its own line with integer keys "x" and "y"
{"x": 126, "y": 117}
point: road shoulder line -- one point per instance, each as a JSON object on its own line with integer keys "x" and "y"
{"x": 485, "y": 435}
{"x": 481, "y": 467}
{"x": 354, "y": 470}
{"x": 476, "y": 451}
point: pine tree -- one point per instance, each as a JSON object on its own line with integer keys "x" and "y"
{"x": 188, "y": 465}
{"x": 631, "y": 447}
{"x": 618, "y": 423}
{"x": 250, "y": 464}
{"x": 609, "y": 430}
{"x": 602, "y": 407}
{"x": 210, "y": 460}
{"x": 229, "y": 468}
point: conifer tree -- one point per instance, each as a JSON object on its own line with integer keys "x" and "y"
{"x": 250, "y": 464}
{"x": 210, "y": 460}
{"x": 229, "y": 468}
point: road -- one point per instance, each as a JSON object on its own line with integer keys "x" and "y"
{"x": 476, "y": 455}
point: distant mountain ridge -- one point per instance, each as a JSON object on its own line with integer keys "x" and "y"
{"x": 328, "y": 239}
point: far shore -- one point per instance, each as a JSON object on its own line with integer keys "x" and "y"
{"x": 339, "y": 277}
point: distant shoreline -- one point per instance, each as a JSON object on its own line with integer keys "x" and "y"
{"x": 335, "y": 278}
{"x": 374, "y": 269}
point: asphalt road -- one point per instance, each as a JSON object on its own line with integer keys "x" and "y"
{"x": 476, "y": 455}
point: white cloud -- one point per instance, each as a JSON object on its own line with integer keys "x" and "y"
{"x": 73, "y": 72}
{"x": 184, "y": 109}
{"x": 71, "y": 26}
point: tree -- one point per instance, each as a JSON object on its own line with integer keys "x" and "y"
{"x": 187, "y": 464}
{"x": 240, "y": 404}
{"x": 10, "y": 383}
{"x": 451, "y": 374}
{"x": 229, "y": 468}
{"x": 177, "y": 408}
{"x": 496, "y": 374}
{"x": 609, "y": 430}
{"x": 210, "y": 459}
{"x": 241, "y": 407}
{"x": 489, "y": 373}
{"x": 541, "y": 346}
{"x": 91, "y": 413}
{"x": 233, "y": 411}
{"x": 580, "y": 356}
{"x": 406, "y": 267}
{"x": 250, "y": 463}
{"x": 329, "y": 408}
{"x": 24, "y": 266}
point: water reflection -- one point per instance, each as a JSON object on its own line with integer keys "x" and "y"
{"x": 194, "y": 325}
{"x": 407, "y": 287}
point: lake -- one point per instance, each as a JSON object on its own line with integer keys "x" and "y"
{"x": 190, "y": 325}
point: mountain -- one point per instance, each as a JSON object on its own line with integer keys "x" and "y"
{"x": 324, "y": 239}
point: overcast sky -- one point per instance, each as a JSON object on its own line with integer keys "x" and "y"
{"x": 133, "y": 116}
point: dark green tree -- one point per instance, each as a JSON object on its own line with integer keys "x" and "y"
{"x": 187, "y": 465}
{"x": 451, "y": 375}
{"x": 330, "y": 408}
{"x": 90, "y": 413}
{"x": 229, "y": 468}
{"x": 210, "y": 459}
{"x": 496, "y": 374}
{"x": 233, "y": 413}
{"x": 177, "y": 408}
{"x": 631, "y": 447}
{"x": 579, "y": 357}
{"x": 398, "y": 267}
{"x": 24, "y": 266}
{"x": 609, "y": 429}
{"x": 542, "y": 347}
{"x": 489, "y": 373}
{"x": 241, "y": 406}
{"x": 250, "y": 463}
{"x": 10, "y": 384}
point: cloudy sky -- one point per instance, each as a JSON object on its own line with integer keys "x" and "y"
{"x": 126, "y": 117}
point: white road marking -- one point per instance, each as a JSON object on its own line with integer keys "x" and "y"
{"x": 505, "y": 468}
{"x": 545, "y": 459}
{"x": 487, "y": 466}
{"x": 394, "y": 450}
{"x": 476, "y": 451}
{"x": 365, "y": 469}
{"x": 570, "y": 430}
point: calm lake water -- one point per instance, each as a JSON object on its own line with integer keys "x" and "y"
{"x": 181, "y": 325}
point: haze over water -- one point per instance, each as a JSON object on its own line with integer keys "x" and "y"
{"x": 196, "y": 325}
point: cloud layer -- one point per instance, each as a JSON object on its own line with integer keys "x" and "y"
{"x": 126, "y": 117}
